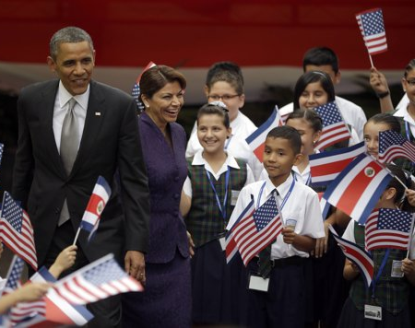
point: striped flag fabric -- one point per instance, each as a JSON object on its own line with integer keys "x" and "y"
{"x": 388, "y": 228}
{"x": 357, "y": 255}
{"x": 326, "y": 166}
{"x": 95, "y": 207}
{"x": 96, "y": 281}
{"x": 57, "y": 309}
{"x": 16, "y": 231}
{"x": 334, "y": 127}
{"x": 23, "y": 311}
{"x": 358, "y": 187}
{"x": 393, "y": 145}
{"x": 373, "y": 30}
{"x": 256, "y": 140}
{"x": 255, "y": 232}
{"x": 230, "y": 242}
{"x": 136, "y": 87}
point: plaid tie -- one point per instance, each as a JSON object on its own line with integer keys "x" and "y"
{"x": 264, "y": 262}
{"x": 69, "y": 149}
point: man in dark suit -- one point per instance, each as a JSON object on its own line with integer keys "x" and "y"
{"x": 71, "y": 130}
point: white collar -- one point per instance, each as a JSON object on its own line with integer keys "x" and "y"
{"x": 64, "y": 96}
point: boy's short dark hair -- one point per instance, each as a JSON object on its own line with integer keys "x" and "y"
{"x": 227, "y": 72}
{"x": 287, "y": 133}
{"x": 320, "y": 56}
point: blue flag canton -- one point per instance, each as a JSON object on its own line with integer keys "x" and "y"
{"x": 1, "y": 151}
{"x": 135, "y": 93}
{"x": 373, "y": 23}
{"x": 391, "y": 219}
{"x": 12, "y": 212}
{"x": 15, "y": 274}
{"x": 264, "y": 214}
{"x": 389, "y": 138}
{"x": 329, "y": 113}
{"x": 104, "y": 273}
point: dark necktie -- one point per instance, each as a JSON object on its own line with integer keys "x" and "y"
{"x": 68, "y": 149}
{"x": 264, "y": 262}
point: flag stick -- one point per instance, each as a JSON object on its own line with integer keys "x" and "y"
{"x": 371, "y": 60}
{"x": 410, "y": 236}
{"x": 76, "y": 236}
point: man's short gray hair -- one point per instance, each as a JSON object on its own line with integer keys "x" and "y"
{"x": 70, "y": 34}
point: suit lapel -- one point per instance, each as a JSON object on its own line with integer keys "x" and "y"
{"x": 93, "y": 120}
{"x": 45, "y": 109}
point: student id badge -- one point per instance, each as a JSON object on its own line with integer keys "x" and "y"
{"x": 373, "y": 312}
{"x": 258, "y": 283}
{"x": 397, "y": 269}
{"x": 234, "y": 197}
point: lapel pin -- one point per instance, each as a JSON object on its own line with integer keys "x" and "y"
{"x": 97, "y": 113}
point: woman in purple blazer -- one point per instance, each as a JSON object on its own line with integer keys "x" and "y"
{"x": 166, "y": 301}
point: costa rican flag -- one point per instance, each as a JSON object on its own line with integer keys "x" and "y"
{"x": 326, "y": 166}
{"x": 388, "y": 228}
{"x": 373, "y": 30}
{"x": 95, "y": 207}
{"x": 357, "y": 255}
{"x": 334, "y": 127}
{"x": 393, "y": 145}
{"x": 358, "y": 187}
{"x": 256, "y": 140}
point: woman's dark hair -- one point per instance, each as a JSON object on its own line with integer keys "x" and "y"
{"x": 156, "y": 77}
{"x": 213, "y": 109}
{"x": 312, "y": 77}
{"x": 409, "y": 67}
{"x": 404, "y": 177}
{"x": 310, "y": 116}
{"x": 388, "y": 119}
{"x": 287, "y": 133}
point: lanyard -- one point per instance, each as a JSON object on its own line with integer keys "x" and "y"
{"x": 382, "y": 266}
{"x": 285, "y": 198}
{"x": 222, "y": 209}
{"x": 408, "y": 131}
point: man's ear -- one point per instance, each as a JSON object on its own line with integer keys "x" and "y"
{"x": 51, "y": 64}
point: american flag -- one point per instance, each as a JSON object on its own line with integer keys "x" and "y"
{"x": 135, "y": 93}
{"x": 96, "y": 204}
{"x": 357, "y": 255}
{"x": 373, "y": 30}
{"x": 256, "y": 140}
{"x": 388, "y": 228}
{"x": 326, "y": 166}
{"x": 255, "y": 232}
{"x": 25, "y": 310}
{"x": 16, "y": 231}
{"x": 334, "y": 127}
{"x": 393, "y": 145}
{"x": 1, "y": 151}
{"x": 96, "y": 281}
{"x": 357, "y": 189}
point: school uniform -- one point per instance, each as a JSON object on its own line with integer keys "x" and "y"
{"x": 352, "y": 114}
{"x": 284, "y": 303}
{"x": 391, "y": 294}
{"x": 408, "y": 132}
{"x": 218, "y": 289}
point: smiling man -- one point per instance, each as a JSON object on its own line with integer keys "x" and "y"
{"x": 72, "y": 130}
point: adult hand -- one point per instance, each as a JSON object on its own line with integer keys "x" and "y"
{"x": 135, "y": 265}
{"x": 322, "y": 243}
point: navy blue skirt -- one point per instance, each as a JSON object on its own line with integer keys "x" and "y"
{"x": 218, "y": 289}
{"x": 166, "y": 301}
{"x": 352, "y": 317}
